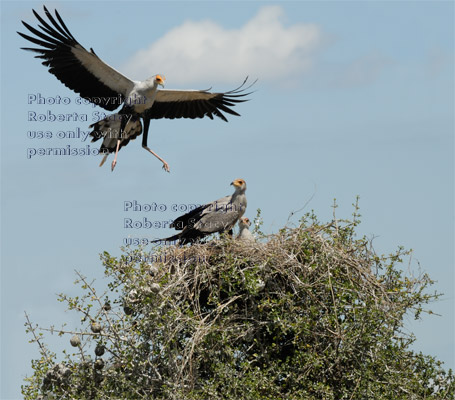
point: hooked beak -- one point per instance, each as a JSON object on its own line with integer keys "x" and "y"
{"x": 160, "y": 80}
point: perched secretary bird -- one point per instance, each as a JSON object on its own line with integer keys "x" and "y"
{"x": 218, "y": 216}
{"x": 85, "y": 73}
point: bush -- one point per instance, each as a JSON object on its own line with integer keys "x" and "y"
{"x": 311, "y": 313}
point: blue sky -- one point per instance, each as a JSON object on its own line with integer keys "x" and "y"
{"x": 352, "y": 98}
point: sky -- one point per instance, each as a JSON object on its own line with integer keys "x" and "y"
{"x": 351, "y": 99}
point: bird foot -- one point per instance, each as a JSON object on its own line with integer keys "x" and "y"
{"x": 166, "y": 166}
{"x": 114, "y": 163}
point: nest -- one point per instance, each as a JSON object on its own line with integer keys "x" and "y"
{"x": 228, "y": 294}
{"x": 302, "y": 313}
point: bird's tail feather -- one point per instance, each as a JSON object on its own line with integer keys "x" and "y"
{"x": 109, "y": 129}
{"x": 168, "y": 239}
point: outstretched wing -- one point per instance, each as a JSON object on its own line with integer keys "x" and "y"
{"x": 74, "y": 66}
{"x": 196, "y": 103}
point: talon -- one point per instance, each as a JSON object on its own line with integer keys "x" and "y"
{"x": 166, "y": 167}
{"x": 114, "y": 163}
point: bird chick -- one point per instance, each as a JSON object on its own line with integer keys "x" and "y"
{"x": 245, "y": 234}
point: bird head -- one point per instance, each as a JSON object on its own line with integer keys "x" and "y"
{"x": 160, "y": 80}
{"x": 239, "y": 184}
{"x": 244, "y": 222}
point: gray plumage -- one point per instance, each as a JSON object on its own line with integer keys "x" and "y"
{"x": 218, "y": 216}
{"x": 245, "y": 234}
{"x": 109, "y": 128}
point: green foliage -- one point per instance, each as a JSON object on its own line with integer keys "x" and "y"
{"x": 313, "y": 313}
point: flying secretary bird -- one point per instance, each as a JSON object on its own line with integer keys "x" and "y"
{"x": 218, "y": 216}
{"x": 85, "y": 73}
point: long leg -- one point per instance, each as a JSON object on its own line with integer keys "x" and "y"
{"x": 114, "y": 161}
{"x": 144, "y": 144}
{"x": 125, "y": 118}
{"x": 104, "y": 159}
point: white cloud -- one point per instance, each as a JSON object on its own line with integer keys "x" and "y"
{"x": 205, "y": 52}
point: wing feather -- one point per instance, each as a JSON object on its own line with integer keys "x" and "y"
{"x": 182, "y": 222}
{"x": 218, "y": 221}
{"x": 197, "y": 103}
{"x": 109, "y": 129}
{"x": 74, "y": 66}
